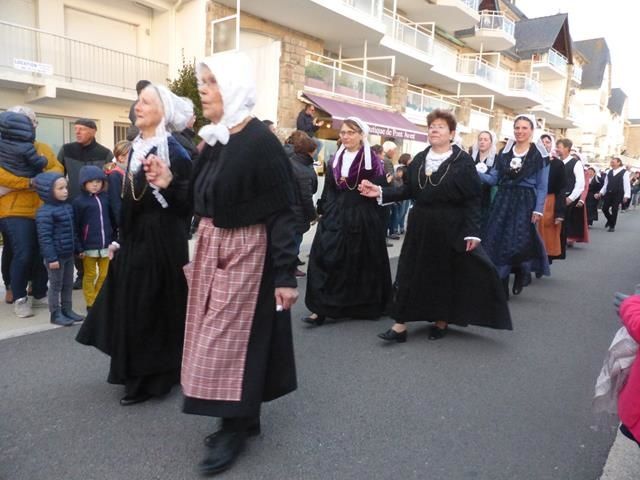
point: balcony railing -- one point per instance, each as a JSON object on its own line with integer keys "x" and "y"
{"x": 474, "y": 65}
{"x": 346, "y": 80}
{"x": 553, "y": 58}
{"x": 576, "y": 76}
{"x": 417, "y": 35}
{"x": 472, "y": 4}
{"x": 490, "y": 20}
{"x": 74, "y": 61}
{"x": 421, "y": 101}
{"x": 522, "y": 82}
{"x": 370, "y": 7}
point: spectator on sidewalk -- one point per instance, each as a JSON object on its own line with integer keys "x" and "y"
{"x": 75, "y": 155}
{"x": 306, "y": 186}
{"x": 306, "y": 122}
{"x": 93, "y": 218}
{"x": 58, "y": 240}
{"x": 17, "y": 221}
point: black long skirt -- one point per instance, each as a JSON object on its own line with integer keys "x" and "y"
{"x": 349, "y": 274}
{"x": 436, "y": 282}
{"x": 138, "y": 317}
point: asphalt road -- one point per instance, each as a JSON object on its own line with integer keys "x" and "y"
{"x": 479, "y": 404}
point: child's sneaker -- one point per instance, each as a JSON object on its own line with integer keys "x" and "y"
{"x": 22, "y": 307}
{"x": 57, "y": 318}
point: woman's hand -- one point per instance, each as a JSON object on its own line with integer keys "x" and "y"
{"x": 472, "y": 244}
{"x": 54, "y": 265}
{"x": 368, "y": 189}
{"x": 157, "y": 172}
{"x": 285, "y": 298}
{"x": 558, "y": 221}
{"x": 535, "y": 217}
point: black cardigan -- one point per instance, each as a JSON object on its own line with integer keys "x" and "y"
{"x": 247, "y": 182}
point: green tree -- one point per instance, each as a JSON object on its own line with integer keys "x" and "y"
{"x": 186, "y": 85}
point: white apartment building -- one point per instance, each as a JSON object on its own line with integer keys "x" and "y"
{"x": 67, "y": 59}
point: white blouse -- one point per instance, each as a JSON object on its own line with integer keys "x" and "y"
{"x": 347, "y": 160}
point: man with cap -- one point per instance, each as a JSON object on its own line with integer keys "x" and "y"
{"x": 75, "y": 155}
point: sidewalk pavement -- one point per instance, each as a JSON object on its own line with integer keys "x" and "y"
{"x": 623, "y": 462}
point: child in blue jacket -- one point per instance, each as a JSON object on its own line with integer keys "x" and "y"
{"x": 58, "y": 243}
{"x": 93, "y": 222}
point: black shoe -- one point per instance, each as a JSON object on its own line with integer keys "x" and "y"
{"x": 300, "y": 262}
{"x": 436, "y": 333}
{"x": 611, "y": 229}
{"x": 518, "y": 284}
{"x": 527, "y": 280}
{"x": 392, "y": 336}
{"x": 70, "y": 314}
{"x": 77, "y": 285}
{"x": 133, "y": 399}
{"x": 211, "y": 440}
{"x": 223, "y": 452}
{"x": 319, "y": 320}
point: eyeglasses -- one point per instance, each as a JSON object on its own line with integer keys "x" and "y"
{"x": 438, "y": 127}
{"x": 348, "y": 133}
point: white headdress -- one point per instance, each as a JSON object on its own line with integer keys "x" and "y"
{"x": 235, "y": 78}
{"x": 365, "y": 141}
{"x": 175, "y": 115}
{"x": 534, "y": 139}
{"x": 491, "y": 155}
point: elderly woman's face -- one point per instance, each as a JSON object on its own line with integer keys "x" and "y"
{"x": 148, "y": 109}
{"x": 439, "y": 133}
{"x": 210, "y": 96}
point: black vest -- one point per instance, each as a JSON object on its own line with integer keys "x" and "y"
{"x": 615, "y": 183}
{"x": 571, "y": 177}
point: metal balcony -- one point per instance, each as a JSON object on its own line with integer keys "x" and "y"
{"x": 551, "y": 65}
{"x": 494, "y": 32}
{"x": 31, "y": 57}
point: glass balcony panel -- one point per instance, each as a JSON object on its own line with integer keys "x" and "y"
{"x": 348, "y": 81}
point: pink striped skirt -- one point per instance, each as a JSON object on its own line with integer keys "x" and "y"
{"x": 224, "y": 279}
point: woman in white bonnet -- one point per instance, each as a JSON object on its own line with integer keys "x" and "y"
{"x": 238, "y": 349}
{"x": 511, "y": 238}
{"x": 138, "y": 316}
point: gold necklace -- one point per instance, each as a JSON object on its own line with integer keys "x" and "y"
{"x": 344, "y": 179}
{"x": 129, "y": 174}
{"x": 428, "y": 177}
